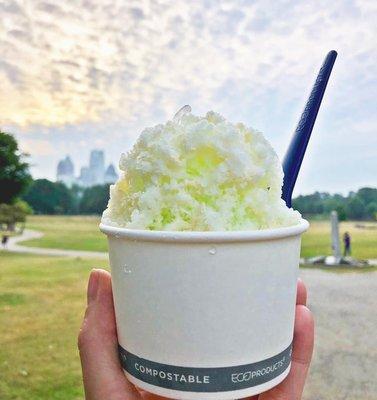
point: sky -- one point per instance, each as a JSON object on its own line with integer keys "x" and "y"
{"x": 84, "y": 74}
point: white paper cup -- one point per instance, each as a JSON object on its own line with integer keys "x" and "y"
{"x": 205, "y": 315}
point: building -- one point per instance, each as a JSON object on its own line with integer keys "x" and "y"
{"x": 97, "y": 167}
{"x": 85, "y": 179}
{"x": 93, "y": 174}
{"x": 66, "y": 172}
{"x": 110, "y": 175}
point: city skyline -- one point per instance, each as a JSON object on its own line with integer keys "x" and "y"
{"x": 85, "y": 74}
{"x": 93, "y": 173}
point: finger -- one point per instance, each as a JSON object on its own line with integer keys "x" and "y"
{"x": 302, "y": 293}
{"x": 292, "y": 387}
{"x": 303, "y": 344}
{"x": 102, "y": 374}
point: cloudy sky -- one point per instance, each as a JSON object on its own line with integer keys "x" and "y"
{"x": 84, "y": 74}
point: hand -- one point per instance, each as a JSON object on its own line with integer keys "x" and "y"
{"x": 104, "y": 378}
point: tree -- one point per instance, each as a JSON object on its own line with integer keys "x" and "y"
{"x": 310, "y": 204}
{"x": 94, "y": 199}
{"x": 367, "y": 195}
{"x": 355, "y": 208}
{"x": 10, "y": 214}
{"x": 371, "y": 210}
{"x": 46, "y": 197}
{"x": 14, "y": 171}
{"x": 76, "y": 192}
{"x": 334, "y": 202}
{"x": 342, "y": 214}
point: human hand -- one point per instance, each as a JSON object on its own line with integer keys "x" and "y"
{"x": 103, "y": 375}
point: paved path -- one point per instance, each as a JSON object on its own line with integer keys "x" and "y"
{"x": 14, "y": 246}
{"x": 345, "y": 355}
{"x": 29, "y": 234}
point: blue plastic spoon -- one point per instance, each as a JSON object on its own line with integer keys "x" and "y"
{"x": 296, "y": 150}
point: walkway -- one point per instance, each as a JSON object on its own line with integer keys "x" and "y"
{"x": 345, "y": 356}
{"x": 29, "y": 234}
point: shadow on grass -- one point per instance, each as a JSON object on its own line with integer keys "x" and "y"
{"x": 11, "y": 299}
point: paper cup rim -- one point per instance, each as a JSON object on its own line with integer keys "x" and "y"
{"x": 205, "y": 236}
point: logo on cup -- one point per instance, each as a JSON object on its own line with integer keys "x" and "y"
{"x": 241, "y": 377}
{"x": 248, "y": 375}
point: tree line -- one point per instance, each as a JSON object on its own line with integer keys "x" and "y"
{"x": 21, "y": 195}
{"x": 46, "y": 197}
{"x": 360, "y": 205}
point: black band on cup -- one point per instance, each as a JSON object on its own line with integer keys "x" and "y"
{"x": 220, "y": 379}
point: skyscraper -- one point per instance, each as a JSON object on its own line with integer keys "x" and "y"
{"x": 65, "y": 172}
{"x": 110, "y": 175}
{"x": 85, "y": 179}
{"x": 97, "y": 166}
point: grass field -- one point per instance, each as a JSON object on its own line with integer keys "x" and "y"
{"x": 317, "y": 240}
{"x": 67, "y": 232}
{"x": 42, "y": 301}
{"x": 81, "y": 233}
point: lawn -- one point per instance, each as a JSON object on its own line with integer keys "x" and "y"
{"x": 317, "y": 240}
{"x": 42, "y": 302}
{"x": 67, "y": 232}
{"x": 81, "y": 233}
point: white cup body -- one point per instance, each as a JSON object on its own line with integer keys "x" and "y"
{"x": 205, "y": 315}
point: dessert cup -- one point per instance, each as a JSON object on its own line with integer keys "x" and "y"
{"x": 205, "y": 315}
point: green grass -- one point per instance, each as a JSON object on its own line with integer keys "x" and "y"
{"x": 317, "y": 241}
{"x": 67, "y": 232}
{"x": 11, "y": 299}
{"x": 42, "y": 301}
{"x": 81, "y": 233}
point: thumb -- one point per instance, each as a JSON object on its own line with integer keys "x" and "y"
{"x": 102, "y": 374}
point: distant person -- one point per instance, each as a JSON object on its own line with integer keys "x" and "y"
{"x": 347, "y": 244}
{"x": 4, "y": 241}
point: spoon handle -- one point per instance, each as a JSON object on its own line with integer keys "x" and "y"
{"x": 296, "y": 150}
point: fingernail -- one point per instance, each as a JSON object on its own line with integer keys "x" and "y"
{"x": 93, "y": 285}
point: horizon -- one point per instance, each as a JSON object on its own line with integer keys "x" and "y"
{"x": 76, "y": 77}
{"x": 108, "y": 163}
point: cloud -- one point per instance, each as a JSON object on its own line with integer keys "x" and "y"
{"x": 117, "y": 66}
{"x": 42, "y": 147}
{"x": 79, "y": 61}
